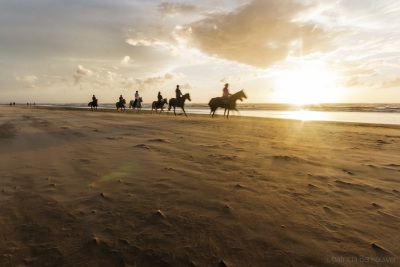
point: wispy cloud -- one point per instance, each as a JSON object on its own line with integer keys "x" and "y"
{"x": 31, "y": 79}
{"x": 156, "y": 81}
{"x": 171, "y": 9}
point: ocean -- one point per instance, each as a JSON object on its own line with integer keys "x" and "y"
{"x": 359, "y": 113}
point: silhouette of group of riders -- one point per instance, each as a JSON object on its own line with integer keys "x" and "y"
{"x": 227, "y": 101}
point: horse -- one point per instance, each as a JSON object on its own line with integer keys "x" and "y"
{"x": 121, "y": 105}
{"x": 138, "y": 104}
{"x": 156, "y": 105}
{"x": 174, "y": 103}
{"x": 227, "y": 104}
{"x": 93, "y": 105}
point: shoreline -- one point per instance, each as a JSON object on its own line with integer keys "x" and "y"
{"x": 102, "y": 188}
{"x": 217, "y": 115}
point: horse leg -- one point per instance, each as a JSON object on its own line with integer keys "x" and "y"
{"x": 174, "y": 111}
{"x": 184, "y": 111}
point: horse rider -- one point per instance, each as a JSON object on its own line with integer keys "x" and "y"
{"x": 135, "y": 104}
{"x": 225, "y": 93}
{"x": 94, "y": 99}
{"x": 159, "y": 97}
{"x": 121, "y": 99}
{"x": 178, "y": 94}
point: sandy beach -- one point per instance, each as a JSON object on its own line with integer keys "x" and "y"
{"x": 82, "y": 188}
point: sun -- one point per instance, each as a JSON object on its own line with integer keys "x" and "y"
{"x": 308, "y": 85}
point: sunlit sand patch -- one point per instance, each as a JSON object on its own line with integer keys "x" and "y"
{"x": 115, "y": 175}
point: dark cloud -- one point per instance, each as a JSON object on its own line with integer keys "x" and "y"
{"x": 260, "y": 33}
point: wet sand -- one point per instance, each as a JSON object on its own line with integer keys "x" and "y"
{"x": 82, "y": 188}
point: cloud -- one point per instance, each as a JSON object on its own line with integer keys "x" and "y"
{"x": 353, "y": 81}
{"x": 156, "y": 81}
{"x": 231, "y": 79}
{"x": 394, "y": 83}
{"x": 140, "y": 40}
{"x": 171, "y": 9}
{"x": 80, "y": 73}
{"x": 260, "y": 33}
{"x": 185, "y": 86}
{"x": 31, "y": 79}
{"x": 126, "y": 60}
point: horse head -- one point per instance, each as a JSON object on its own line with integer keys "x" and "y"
{"x": 242, "y": 95}
{"x": 187, "y": 96}
{"x": 165, "y": 101}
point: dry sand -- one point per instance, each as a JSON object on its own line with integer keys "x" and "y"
{"x": 82, "y": 188}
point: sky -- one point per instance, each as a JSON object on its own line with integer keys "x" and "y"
{"x": 277, "y": 51}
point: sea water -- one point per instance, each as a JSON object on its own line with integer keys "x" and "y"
{"x": 359, "y": 113}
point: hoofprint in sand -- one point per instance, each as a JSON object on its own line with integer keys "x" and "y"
{"x": 82, "y": 188}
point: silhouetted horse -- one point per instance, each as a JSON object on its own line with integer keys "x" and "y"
{"x": 227, "y": 104}
{"x": 156, "y": 105}
{"x": 93, "y": 105}
{"x": 121, "y": 105}
{"x": 174, "y": 103}
{"x": 138, "y": 104}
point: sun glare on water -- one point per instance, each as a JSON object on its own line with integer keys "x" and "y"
{"x": 310, "y": 85}
{"x": 306, "y": 115}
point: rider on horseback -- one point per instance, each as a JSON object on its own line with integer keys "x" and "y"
{"x": 121, "y": 100}
{"x": 136, "y": 99}
{"x": 159, "y": 97}
{"x": 178, "y": 94}
{"x": 94, "y": 100}
{"x": 225, "y": 93}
